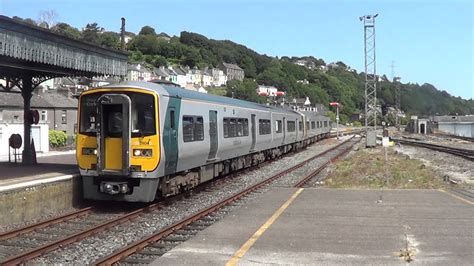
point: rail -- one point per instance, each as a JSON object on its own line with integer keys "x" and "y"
{"x": 464, "y": 153}
{"x": 142, "y": 243}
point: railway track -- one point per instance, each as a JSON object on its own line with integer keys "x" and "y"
{"x": 464, "y": 153}
{"x": 81, "y": 227}
{"x": 149, "y": 248}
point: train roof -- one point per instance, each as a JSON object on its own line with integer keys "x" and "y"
{"x": 179, "y": 92}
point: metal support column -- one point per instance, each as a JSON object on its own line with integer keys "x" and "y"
{"x": 370, "y": 79}
{"x": 27, "y": 93}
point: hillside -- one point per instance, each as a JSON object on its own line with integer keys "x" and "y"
{"x": 299, "y": 77}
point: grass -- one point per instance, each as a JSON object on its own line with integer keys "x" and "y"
{"x": 221, "y": 91}
{"x": 367, "y": 169}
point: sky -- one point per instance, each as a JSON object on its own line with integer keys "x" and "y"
{"x": 426, "y": 41}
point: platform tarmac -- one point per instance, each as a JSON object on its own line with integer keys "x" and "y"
{"x": 336, "y": 226}
{"x": 27, "y": 192}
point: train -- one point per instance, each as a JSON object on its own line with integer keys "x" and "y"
{"x": 139, "y": 141}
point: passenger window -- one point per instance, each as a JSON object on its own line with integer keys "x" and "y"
{"x": 264, "y": 127}
{"x": 172, "y": 119}
{"x": 236, "y": 127}
{"x": 278, "y": 126}
{"x": 193, "y": 128}
{"x": 291, "y": 126}
{"x": 300, "y": 125}
{"x": 313, "y": 125}
{"x": 325, "y": 123}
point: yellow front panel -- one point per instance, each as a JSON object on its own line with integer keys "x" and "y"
{"x": 113, "y": 153}
{"x": 113, "y": 146}
{"x": 85, "y": 161}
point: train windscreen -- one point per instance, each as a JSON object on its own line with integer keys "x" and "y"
{"x": 142, "y": 115}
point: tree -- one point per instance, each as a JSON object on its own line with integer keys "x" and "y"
{"x": 110, "y": 39}
{"x": 147, "y": 30}
{"x": 47, "y": 19}
{"x": 243, "y": 90}
{"x": 91, "y": 33}
{"x": 66, "y": 30}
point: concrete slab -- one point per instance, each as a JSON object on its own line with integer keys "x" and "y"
{"x": 324, "y": 226}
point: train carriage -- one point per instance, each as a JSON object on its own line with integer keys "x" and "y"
{"x": 138, "y": 140}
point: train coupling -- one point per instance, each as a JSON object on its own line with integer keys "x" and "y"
{"x": 113, "y": 188}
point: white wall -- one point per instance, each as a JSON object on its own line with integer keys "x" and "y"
{"x": 457, "y": 128}
{"x": 39, "y": 134}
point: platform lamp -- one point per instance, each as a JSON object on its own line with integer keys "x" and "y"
{"x": 337, "y": 117}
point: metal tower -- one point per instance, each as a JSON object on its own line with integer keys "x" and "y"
{"x": 396, "y": 80}
{"x": 370, "y": 73}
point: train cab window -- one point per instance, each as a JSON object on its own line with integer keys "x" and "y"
{"x": 313, "y": 125}
{"x": 264, "y": 127}
{"x": 291, "y": 126}
{"x": 278, "y": 126}
{"x": 300, "y": 125}
{"x": 235, "y": 127}
{"x": 193, "y": 128}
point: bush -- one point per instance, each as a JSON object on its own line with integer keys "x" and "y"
{"x": 57, "y": 138}
{"x": 357, "y": 124}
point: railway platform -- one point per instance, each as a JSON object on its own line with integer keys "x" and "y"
{"x": 27, "y": 192}
{"x": 314, "y": 226}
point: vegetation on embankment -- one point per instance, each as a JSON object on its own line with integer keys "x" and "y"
{"x": 367, "y": 168}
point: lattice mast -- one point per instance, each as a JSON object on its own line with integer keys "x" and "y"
{"x": 370, "y": 72}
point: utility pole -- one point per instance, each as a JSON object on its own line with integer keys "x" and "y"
{"x": 370, "y": 79}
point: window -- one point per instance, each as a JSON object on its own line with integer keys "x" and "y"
{"x": 278, "y": 126}
{"x": 235, "y": 127}
{"x": 300, "y": 125}
{"x": 307, "y": 125}
{"x": 142, "y": 114}
{"x": 291, "y": 126}
{"x": 318, "y": 125}
{"x": 64, "y": 117}
{"x": 326, "y": 123}
{"x": 44, "y": 115}
{"x": 313, "y": 125}
{"x": 193, "y": 128}
{"x": 264, "y": 127}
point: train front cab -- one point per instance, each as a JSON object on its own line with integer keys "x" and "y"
{"x": 118, "y": 147}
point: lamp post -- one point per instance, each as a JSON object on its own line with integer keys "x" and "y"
{"x": 337, "y": 117}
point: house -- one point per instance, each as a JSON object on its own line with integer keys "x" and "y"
{"x": 218, "y": 77}
{"x": 207, "y": 78}
{"x": 161, "y": 73}
{"x": 195, "y": 87}
{"x": 181, "y": 78}
{"x": 56, "y": 108}
{"x": 232, "y": 71}
{"x": 300, "y": 62}
{"x": 173, "y": 76}
{"x": 196, "y": 76}
{"x": 138, "y": 72}
{"x": 263, "y": 90}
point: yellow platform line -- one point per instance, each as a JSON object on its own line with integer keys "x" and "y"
{"x": 457, "y": 197}
{"x": 245, "y": 247}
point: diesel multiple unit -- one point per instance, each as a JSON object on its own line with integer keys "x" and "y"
{"x": 138, "y": 141}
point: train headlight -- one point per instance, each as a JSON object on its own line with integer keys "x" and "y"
{"x": 142, "y": 152}
{"x": 89, "y": 151}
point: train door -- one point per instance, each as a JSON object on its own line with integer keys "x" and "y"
{"x": 254, "y": 132}
{"x": 170, "y": 135}
{"x": 113, "y": 134}
{"x": 214, "y": 138}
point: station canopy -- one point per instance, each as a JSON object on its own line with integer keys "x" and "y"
{"x": 30, "y": 55}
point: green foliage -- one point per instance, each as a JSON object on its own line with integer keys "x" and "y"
{"x": 57, "y": 138}
{"x": 147, "y": 30}
{"x": 91, "y": 33}
{"x": 66, "y": 30}
{"x": 244, "y": 90}
{"x": 110, "y": 39}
